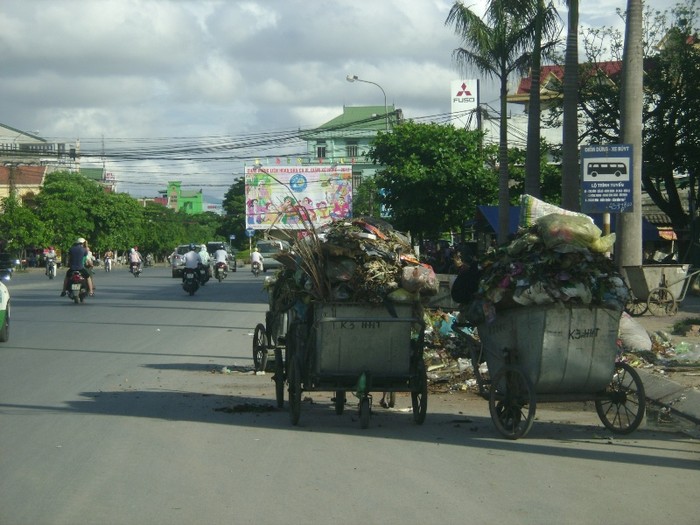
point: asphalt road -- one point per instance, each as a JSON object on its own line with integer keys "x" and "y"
{"x": 140, "y": 407}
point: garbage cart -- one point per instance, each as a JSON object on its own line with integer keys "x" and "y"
{"x": 358, "y": 348}
{"x": 556, "y": 353}
{"x": 657, "y": 288}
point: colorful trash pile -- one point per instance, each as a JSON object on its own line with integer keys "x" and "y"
{"x": 363, "y": 260}
{"x": 560, "y": 258}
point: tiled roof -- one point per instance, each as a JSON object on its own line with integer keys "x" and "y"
{"x": 609, "y": 68}
{"x": 24, "y": 175}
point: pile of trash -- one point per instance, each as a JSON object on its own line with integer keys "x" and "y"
{"x": 560, "y": 258}
{"x": 363, "y": 260}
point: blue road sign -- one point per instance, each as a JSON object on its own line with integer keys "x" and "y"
{"x": 606, "y": 178}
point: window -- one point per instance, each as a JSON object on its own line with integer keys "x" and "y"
{"x": 321, "y": 150}
{"x": 351, "y": 149}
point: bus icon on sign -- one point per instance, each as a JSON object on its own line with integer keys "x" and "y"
{"x": 618, "y": 169}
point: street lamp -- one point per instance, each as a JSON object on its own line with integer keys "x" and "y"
{"x": 354, "y": 78}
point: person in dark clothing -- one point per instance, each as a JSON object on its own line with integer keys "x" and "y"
{"x": 76, "y": 262}
{"x": 466, "y": 283}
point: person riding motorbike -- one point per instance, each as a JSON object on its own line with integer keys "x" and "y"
{"x": 220, "y": 256}
{"x": 108, "y": 257}
{"x": 193, "y": 260}
{"x": 50, "y": 257}
{"x": 76, "y": 263}
{"x": 204, "y": 255}
{"x": 135, "y": 260}
{"x": 256, "y": 257}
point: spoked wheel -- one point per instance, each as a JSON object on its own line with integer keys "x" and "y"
{"x": 364, "y": 412}
{"x": 512, "y": 402}
{"x": 294, "y": 390}
{"x": 636, "y": 307}
{"x": 419, "y": 396}
{"x": 662, "y": 302}
{"x": 279, "y": 378}
{"x": 260, "y": 348}
{"x": 339, "y": 401}
{"x": 622, "y": 405}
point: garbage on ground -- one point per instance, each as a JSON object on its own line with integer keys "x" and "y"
{"x": 633, "y": 336}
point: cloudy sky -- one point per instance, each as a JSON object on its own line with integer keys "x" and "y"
{"x": 192, "y": 90}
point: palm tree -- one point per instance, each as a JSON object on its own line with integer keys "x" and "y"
{"x": 569, "y": 161}
{"x": 631, "y": 105}
{"x": 494, "y": 46}
{"x": 545, "y": 20}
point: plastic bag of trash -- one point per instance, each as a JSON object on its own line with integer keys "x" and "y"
{"x": 532, "y": 208}
{"x": 633, "y": 336}
{"x": 567, "y": 233}
{"x": 420, "y": 279}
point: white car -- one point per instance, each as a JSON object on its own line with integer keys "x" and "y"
{"x": 4, "y": 313}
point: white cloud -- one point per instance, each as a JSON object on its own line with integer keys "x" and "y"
{"x": 151, "y": 70}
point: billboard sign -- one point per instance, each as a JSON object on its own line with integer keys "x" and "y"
{"x": 288, "y": 197}
{"x": 464, "y": 101}
{"x": 606, "y": 178}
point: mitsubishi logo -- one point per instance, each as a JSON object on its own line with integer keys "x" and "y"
{"x": 464, "y": 92}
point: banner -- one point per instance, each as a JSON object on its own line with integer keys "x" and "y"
{"x": 289, "y": 197}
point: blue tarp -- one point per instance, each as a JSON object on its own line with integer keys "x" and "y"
{"x": 489, "y": 215}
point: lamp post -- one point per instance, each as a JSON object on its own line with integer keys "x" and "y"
{"x": 354, "y": 78}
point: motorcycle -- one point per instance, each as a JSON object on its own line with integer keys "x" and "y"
{"x": 190, "y": 281}
{"x": 203, "y": 272}
{"x": 135, "y": 268}
{"x": 51, "y": 268}
{"x": 108, "y": 264}
{"x": 77, "y": 289}
{"x": 220, "y": 271}
{"x": 255, "y": 268}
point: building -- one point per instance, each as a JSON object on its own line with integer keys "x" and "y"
{"x": 191, "y": 202}
{"x": 347, "y": 138}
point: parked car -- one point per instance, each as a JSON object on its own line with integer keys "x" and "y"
{"x": 267, "y": 249}
{"x": 177, "y": 260}
{"x": 4, "y": 313}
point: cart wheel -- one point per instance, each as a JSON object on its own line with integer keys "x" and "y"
{"x": 512, "y": 402}
{"x": 622, "y": 405}
{"x": 662, "y": 302}
{"x": 279, "y": 378}
{"x": 339, "y": 401}
{"x": 419, "y": 396}
{"x": 364, "y": 412}
{"x": 294, "y": 390}
{"x": 636, "y": 307}
{"x": 260, "y": 348}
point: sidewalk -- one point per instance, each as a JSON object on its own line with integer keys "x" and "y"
{"x": 674, "y": 396}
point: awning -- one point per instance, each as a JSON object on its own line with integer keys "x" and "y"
{"x": 488, "y": 216}
{"x": 668, "y": 234}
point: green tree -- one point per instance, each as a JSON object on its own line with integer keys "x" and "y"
{"x": 549, "y": 172}
{"x": 164, "y": 229}
{"x": 233, "y": 222}
{"x": 495, "y": 46}
{"x": 20, "y": 226}
{"x": 433, "y": 177}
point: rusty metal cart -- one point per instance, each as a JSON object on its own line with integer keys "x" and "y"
{"x": 556, "y": 353}
{"x": 358, "y": 348}
{"x": 657, "y": 288}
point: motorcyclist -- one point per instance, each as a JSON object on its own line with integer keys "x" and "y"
{"x": 135, "y": 260}
{"x": 221, "y": 256}
{"x": 108, "y": 256}
{"x": 192, "y": 260}
{"x": 204, "y": 255}
{"x": 256, "y": 257}
{"x": 76, "y": 262}
{"x": 50, "y": 256}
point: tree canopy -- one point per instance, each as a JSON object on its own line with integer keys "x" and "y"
{"x": 433, "y": 177}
